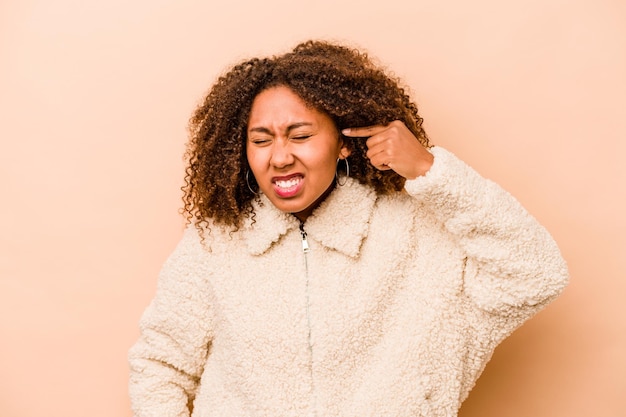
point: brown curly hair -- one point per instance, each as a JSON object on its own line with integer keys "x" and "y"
{"x": 339, "y": 81}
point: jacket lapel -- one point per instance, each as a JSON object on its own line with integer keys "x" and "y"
{"x": 341, "y": 222}
{"x": 267, "y": 226}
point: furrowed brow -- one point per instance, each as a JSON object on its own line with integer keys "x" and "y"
{"x": 265, "y": 130}
{"x": 260, "y": 130}
{"x": 297, "y": 125}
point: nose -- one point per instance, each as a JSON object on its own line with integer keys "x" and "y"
{"x": 281, "y": 156}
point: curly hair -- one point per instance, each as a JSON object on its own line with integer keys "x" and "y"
{"x": 339, "y": 81}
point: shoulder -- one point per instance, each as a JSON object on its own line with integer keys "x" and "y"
{"x": 402, "y": 217}
{"x": 205, "y": 238}
{"x": 400, "y": 206}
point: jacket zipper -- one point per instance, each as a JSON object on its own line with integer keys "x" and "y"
{"x": 305, "y": 243}
{"x": 305, "y": 250}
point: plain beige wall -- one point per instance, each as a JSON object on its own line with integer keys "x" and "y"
{"x": 94, "y": 99}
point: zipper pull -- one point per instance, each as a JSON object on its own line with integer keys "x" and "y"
{"x": 305, "y": 243}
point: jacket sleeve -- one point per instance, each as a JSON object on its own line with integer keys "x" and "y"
{"x": 168, "y": 359}
{"x": 512, "y": 266}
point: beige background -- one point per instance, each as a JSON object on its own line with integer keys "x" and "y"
{"x": 94, "y": 99}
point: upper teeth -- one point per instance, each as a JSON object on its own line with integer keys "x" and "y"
{"x": 287, "y": 183}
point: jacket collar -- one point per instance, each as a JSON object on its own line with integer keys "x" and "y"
{"x": 341, "y": 222}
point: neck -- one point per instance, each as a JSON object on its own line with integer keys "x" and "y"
{"x": 304, "y": 214}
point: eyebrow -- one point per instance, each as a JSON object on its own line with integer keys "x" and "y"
{"x": 289, "y": 128}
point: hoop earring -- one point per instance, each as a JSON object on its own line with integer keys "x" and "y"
{"x": 345, "y": 178}
{"x": 248, "y": 183}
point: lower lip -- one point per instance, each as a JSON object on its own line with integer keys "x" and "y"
{"x": 288, "y": 192}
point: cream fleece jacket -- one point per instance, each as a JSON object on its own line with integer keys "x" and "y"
{"x": 394, "y": 310}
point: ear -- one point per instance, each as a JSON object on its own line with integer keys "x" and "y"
{"x": 344, "y": 152}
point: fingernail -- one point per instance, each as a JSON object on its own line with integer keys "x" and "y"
{"x": 346, "y": 131}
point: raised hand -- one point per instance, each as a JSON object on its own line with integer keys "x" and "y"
{"x": 394, "y": 147}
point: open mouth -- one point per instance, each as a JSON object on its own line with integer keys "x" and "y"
{"x": 288, "y": 187}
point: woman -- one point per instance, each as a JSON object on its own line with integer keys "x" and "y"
{"x": 335, "y": 264}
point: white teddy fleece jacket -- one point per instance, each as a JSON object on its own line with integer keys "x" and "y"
{"x": 394, "y": 310}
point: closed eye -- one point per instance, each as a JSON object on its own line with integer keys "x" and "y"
{"x": 260, "y": 141}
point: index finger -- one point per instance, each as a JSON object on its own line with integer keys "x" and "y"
{"x": 363, "y": 132}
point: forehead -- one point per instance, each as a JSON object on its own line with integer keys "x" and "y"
{"x": 280, "y": 105}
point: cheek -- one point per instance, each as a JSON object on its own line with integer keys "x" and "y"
{"x": 253, "y": 157}
{"x": 330, "y": 165}
{"x": 322, "y": 154}
{"x": 329, "y": 161}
